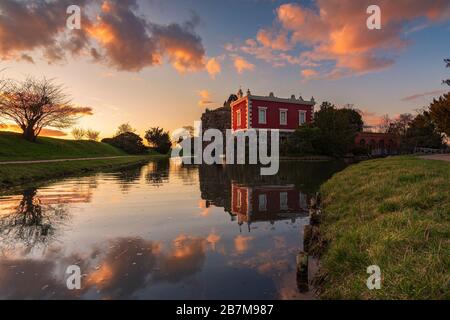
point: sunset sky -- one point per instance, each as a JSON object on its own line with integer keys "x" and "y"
{"x": 162, "y": 62}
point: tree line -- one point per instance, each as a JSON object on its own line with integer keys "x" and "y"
{"x": 333, "y": 130}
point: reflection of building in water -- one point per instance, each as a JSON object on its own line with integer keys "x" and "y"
{"x": 215, "y": 186}
{"x": 267, "y": 203}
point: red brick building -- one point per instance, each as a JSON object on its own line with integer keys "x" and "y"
{"x": 267, "y": 203}
{"x": 378, "y": 144}
{"x": 270, "y": 112}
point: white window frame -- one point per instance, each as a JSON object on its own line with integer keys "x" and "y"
{"x": 238, "y": 118}
{"x": 262, "y": 202}
{"x": 265, "y": 115}
{"x": 284, "y": 201}
{"x": 285, "y": 112}
{"x": 300, "y": 113}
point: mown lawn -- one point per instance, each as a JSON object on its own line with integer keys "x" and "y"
{"x": 14, "y": 147}
{"x": 394, "y": 213}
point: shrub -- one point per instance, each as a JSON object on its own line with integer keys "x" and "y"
{"x": 78, "y": 133}
{"x": 92, "y": 135}
{"x": 159, "y": 140}
{"x": 128, "y": 142}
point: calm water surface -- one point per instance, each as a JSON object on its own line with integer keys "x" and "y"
{"x": 161, "y": 231}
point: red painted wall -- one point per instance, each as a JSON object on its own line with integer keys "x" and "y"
{"x": 242, "y": 106}
{"x": 273, "y": 114}
{"x": 272, "y": 196}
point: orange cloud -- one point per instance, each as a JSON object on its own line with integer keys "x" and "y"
{"x": 44, "y": 132}
{"x": 114, "y": 34}
{"x": 309, "y": 73}
{"x": 372, "y": 119}
{"x": 205, "y": 98}
{"x": 242, "y": 65}
{"x": 274, "y": 41}
{"x": 335, "y": 30}
{"x": 213, "y": 67}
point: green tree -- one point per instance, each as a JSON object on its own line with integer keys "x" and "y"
{"x": 327, "y": 105}
{"x": 128, "y": 142}
{"x": 338, "y": 128}
{"x": 304, "y": 141}
{"x": 422, "y": 132}
{"x": 440, "y": 113}
{"x": 159, "y": 139}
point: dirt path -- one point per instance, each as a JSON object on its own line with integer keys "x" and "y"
{"x": 61, "y": 160}
{"x": 442, "y": 157}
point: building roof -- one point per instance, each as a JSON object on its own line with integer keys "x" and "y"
{"x": 272, "y": 98}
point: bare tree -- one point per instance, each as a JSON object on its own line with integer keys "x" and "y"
{"x": 78, "y": 133}
{"x": 92, "y": 135}
{"x": 34, "y": 104}
{"x": 124, "y": 128}
{"x": 385, "y": 123}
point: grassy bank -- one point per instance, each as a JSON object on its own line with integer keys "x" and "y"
{"x": 14, "y": 147}
{"x": 17, "y": 175}
{"x": 394, "y": 213}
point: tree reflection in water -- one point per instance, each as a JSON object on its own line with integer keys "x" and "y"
{"x": 32, "y": 224}
{"x": 157, "y": 172}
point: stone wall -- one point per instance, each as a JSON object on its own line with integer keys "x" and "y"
{"x": 217, "y": 119}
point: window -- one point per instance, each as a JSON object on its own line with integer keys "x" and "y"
{"x": 283, "y": 117}
{"x": 262, "y": 115}
{"x": 301, "y": 117}
{"x": 283, "y": 201}
{"x": 262, "y": 202}
{"x": 238, "y": 117}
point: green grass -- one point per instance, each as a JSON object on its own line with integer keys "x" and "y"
{"x": 394, "y": 213}
{"x": 18, "y": 175}
{"x": 14, "y": 147}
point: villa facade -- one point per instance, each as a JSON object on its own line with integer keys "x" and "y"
{"x": 270, "y": 112}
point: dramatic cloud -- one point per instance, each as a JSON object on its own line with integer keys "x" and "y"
{"x": 112, "y": 33}
{"x": 242, "y": 65}
{"x": 335, "y": 31}
{"x": 29, "y": 25}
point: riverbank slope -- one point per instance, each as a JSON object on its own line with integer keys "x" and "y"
{"x": 393, "y": 213}
{"x": 14, "y": 148}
